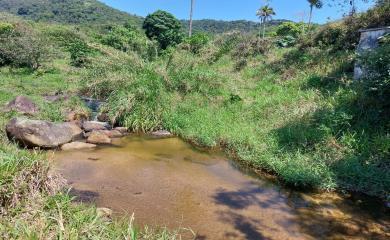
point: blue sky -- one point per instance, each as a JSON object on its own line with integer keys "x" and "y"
{"x": 231, "y": 9}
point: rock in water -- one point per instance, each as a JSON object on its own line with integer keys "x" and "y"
{"x": 98, "y": 137}
{"x": 23, "y": 105}
{"x": 36, "y": 133}
{"x": 77, "y": 146}
{"x": 162, "y": 133}
{"x": 90, "y": 126}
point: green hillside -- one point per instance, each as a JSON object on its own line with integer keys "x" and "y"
{"x": 220, "y": 26}
{"x": 67, "y": 11}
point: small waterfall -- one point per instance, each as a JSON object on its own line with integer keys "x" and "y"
{"x": 94, "y": 105}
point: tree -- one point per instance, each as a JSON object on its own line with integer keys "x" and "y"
{"x": 265, "y": 13}
{"x": 314, "y": 3}
{"x": 191, "y": 14}
{"x": 164, "y": 28}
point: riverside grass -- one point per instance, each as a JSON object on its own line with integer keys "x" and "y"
{"x": 292, "y": 112}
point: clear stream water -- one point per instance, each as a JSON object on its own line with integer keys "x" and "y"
{"x": 167, "y": 182}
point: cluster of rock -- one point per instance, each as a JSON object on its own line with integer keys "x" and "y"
{"x": 76, "y": 133}
{"x": 69, "y": 135}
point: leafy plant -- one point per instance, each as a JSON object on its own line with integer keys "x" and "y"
{"x": 197, "y": 41}
{"x": 286, "y": 41}
{"x": 79, "y": 51}
{"x": 290, "y": 29}
{"x": 164, "y": 28}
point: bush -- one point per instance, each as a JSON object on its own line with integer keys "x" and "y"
{"x": 21, "y": 46}
{"x": 290, "y": 29}
{"x": 6, "y": 28}
{"x": 79, "y": 51}
{"x": 247, "y": 46}
{"x": 287, "y": 41}
{"x": 331, "y": 35}
{"x": 128, "y": 38}
{"x": 197, "y": 42}
{"x": 164, "y": 28}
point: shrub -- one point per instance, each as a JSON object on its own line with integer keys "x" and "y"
{"x": 330, "y": 35}
{"x": 197, "y": 42}
{"x": 250, "y": 46}
{"x": 128, "y": 38}
{"x": 79, "y": 51}
{"x": 286, "y": 41}
{"x": 290, "y": 29}
{"x": 6, "y": 28}
{"x": 21, "y": 46}
{"x": 163, "y": 27}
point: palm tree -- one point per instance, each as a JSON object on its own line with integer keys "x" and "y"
{"x": 191, "y": 14}
{"x": 314, "y": 3}
{"x": 265, "y": 13}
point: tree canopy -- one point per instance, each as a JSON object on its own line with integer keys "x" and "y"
{"x": 164, "y": 28}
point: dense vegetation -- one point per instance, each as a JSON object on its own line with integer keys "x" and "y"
{"x": 285, "y": 104}
{"x": 220, "y": 26}
{"x": 67, "y": 11}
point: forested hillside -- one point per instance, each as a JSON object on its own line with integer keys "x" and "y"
{"x": 67, "y": 11}
{"x": 219, "y": 26}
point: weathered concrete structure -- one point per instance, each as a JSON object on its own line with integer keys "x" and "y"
{"x": 369, "y": 39}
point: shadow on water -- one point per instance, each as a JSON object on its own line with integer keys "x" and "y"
{"x": 318, "y": 216}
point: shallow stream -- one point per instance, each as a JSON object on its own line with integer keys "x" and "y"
{"x": 167, "y": 182}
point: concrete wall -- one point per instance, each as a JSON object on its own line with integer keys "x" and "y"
{"x": 368, "y": 40}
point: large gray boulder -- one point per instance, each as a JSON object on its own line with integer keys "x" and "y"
{"x": 23, "y": 105}
{"x": 42, "y": 134}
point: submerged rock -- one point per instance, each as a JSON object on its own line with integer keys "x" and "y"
{"x": 77, "y": 146}
{"x": 90, "y": 126}
{"x": 36, "y": 133}
{"x": 23, "y": 105}
{"x": 98, "y": 137}
{"x": 162, "y": 133}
